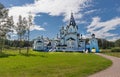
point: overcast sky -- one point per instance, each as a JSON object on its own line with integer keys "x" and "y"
{"x": 101, "y": 17}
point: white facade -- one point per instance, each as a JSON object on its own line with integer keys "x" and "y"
{"x": 41, "y": 43}
{"x": 38, "y": 44}
{"x": 69, "y": 40}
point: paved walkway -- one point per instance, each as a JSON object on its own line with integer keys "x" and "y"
{"x": 113, "y": 71}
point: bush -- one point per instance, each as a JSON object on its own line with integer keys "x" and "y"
{"x": 6, "y": 46}
{"x": 105, "y": 50}
{"x": 116, "y": 49}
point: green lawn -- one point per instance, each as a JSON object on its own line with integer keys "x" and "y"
{"x": 116, "y": 54}
{"x": 51, "y": 64}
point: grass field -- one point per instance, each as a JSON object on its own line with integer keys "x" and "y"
{"x": 116, "y": 54}
{"x": 51, "y": 64}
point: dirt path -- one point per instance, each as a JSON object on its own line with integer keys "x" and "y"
{"x": 113, "y": 71}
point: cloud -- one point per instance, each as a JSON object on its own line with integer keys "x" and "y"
{"x": 102, "y": 29}
{"x": 50, "y": 7}
{"x": 36, "y": 27}
{"x": 24, "y": 11}
{"x": 90, "y": 11}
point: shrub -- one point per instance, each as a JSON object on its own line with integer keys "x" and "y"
{"x": 7, "y": 47}
{"x": 105, "y": 50}
{"x": 116, "y": 49}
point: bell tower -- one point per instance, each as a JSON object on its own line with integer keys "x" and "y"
{"x": 72, "y": 27}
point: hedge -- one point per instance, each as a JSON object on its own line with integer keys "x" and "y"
{"x": 116, "y": 49}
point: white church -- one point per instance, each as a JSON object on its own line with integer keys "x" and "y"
{"x": 69, "y": 40}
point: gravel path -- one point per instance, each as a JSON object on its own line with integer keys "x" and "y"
{"x": 113, "y": 71}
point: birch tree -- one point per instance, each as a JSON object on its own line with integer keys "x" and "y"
{"x": 28, "y": 31}
{"x": 6, "y": 25}
{"x": 21, "y": 30}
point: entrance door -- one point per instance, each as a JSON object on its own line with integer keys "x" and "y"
{"x": 70, "y": 43}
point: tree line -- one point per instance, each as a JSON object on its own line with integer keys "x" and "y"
{"x": 8, "y": 27}
{"x": 105, "y": 44}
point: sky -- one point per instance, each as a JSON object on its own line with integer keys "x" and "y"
{"x": 101, "y": 17}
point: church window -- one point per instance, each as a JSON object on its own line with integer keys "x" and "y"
{"x": 72, "y": 42}
{"x": 70, "y": 29}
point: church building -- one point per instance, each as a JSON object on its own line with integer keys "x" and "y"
{"x": 69, "y": 40}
